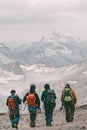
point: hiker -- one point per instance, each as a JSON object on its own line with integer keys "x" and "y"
{"x": 32, "y": 100}
{"x": 69, "y": 100}
{"x": 13, "y": 102}
{"x": 48, "y": 98}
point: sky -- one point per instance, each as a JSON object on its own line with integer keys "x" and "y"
{"x": 29, "y": 20}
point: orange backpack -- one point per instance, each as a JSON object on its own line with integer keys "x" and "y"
{"x": 31, "y": 99}
{"x": 11, "y": 103}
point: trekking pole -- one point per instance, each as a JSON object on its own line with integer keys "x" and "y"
{"x": 43, "y": 113}
{"x": 21, "y": 116}
{"x": 8, "y": 112}
{"x": 63, "y": 110}
{"x": 24, "y": 107}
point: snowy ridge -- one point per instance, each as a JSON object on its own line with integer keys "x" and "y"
{"x": 40, "y": 68}
{"x": 56, "y": 50}
{"x": 5, "y": 76}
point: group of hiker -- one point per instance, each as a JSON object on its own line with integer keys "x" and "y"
{"x": 48, "y": 97}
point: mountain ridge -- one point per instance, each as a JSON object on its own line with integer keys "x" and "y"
{"x": 56, "y": 50}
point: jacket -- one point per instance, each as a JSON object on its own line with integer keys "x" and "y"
{"x": 74, "y": 96}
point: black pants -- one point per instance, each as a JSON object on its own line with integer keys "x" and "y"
{"x": 69, "y": 111}
{"x": 48, "y": 114}
{"x": 33, "y": 116}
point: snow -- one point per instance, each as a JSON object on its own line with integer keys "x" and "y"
{"x": 50, "y": 52}
{"x": 40, "y": 68}
{"x": 74, "y": 82}
{"x": 65, "y": 50}
{"x": 8, "y": 76}
{"x": 4, "y": 59}
{"x": 85, "y": 73}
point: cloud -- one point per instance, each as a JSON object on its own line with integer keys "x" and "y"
{"x": 40, "y": 10}
{"x": 64, "y": 15}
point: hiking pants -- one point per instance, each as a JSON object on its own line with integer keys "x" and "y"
{"x": 49, "y": 115}
{"x": 69, "y": 112}
{"x": 14, "y": 116}
{"x": 33, "y": 113}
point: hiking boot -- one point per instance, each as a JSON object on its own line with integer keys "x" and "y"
{"x": 12, "y": 126}
{"x": 32, "y": 124}
{"x": 16, "y": 126}
{"x": 48, "y": 124}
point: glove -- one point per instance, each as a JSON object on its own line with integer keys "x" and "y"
{"x": 61, "y": 108}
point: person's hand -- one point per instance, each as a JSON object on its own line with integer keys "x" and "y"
{"x": 61, "y": 108}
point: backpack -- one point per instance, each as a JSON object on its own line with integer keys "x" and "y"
{"x": 31, "y": 99}
{"x": 11, "y": 103}
{"x": 50, "y": 99}
{"x": 67, "y": 95}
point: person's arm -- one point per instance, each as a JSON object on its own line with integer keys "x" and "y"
{"x": 43, "y": 96}
{"x": 55, "y": 96}
{"x": 37, "y": 100}
{"x": 19, "y": 99}
{"x": 24, "y": 99}
{"x": 62, "y": 97}
{"x": 7, "y": 102}
{"x": 61, "y": 101}
{"x": 75, "y": 97}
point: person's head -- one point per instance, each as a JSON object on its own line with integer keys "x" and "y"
{"x": 32, "y": 88}
{"x": 67, "y": 85}
{"x": 46, "y": 86}
{"x": 13, "y": 92}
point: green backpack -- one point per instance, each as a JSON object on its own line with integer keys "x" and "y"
{"x": 67, "y": 95}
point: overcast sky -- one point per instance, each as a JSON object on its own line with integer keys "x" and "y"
{"x": 30, "y": 19}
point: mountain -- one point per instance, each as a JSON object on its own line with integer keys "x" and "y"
{"x": 7, "y": 77}
{"x": 13, "y": 67}
{"x": 8, "y": 61}
{"x": 5, "y": 50}
{"x": 57, "y": 50}
{"x": 6, "y": 55}
{"x": 5, "y": 59}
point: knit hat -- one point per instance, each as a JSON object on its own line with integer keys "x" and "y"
{"x": 13, "y": 91}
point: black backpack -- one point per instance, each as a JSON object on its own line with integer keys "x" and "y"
{"x": 50, "y": 98}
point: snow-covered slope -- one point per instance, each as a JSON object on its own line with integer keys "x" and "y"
{"x": 40, "y": 74}
{"x": 6, "y": 77}
{"x": 4, "y": 59}
{"x": 13, "y": 67}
